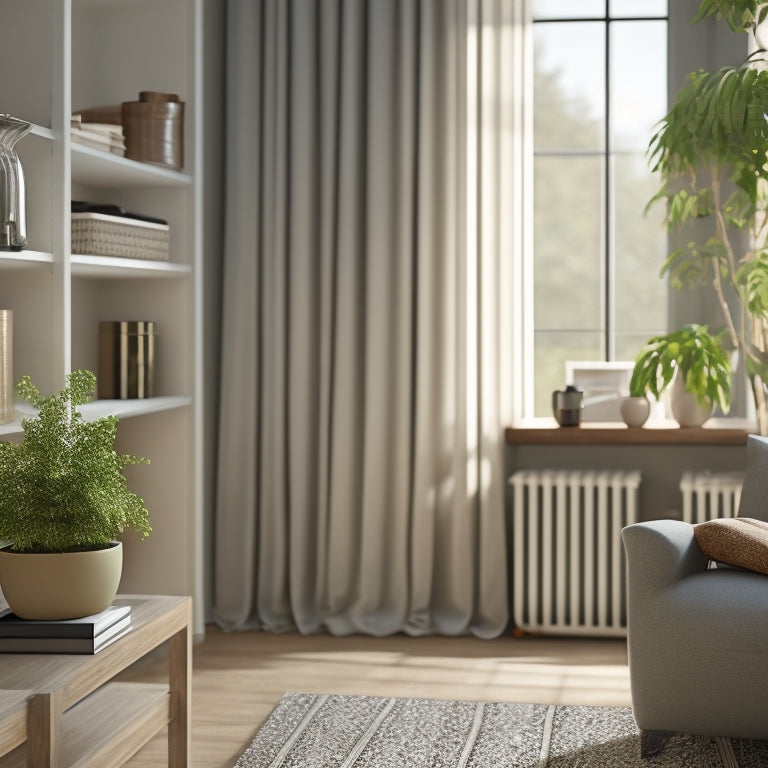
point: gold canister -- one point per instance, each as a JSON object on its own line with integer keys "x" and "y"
{"x": 126, "y": 359}
{"x": 153, "y": 128}
{"x": 7, "y": 409}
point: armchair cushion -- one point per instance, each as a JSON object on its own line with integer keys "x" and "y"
{"x": 737, "y": 541}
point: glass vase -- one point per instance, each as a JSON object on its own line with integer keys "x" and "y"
{"x": 13, "y": 226}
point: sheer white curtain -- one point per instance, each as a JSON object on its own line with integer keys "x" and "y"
{"x": 366, "y": 347}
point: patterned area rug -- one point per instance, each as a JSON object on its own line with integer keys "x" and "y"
{"x": 327, "y": 731}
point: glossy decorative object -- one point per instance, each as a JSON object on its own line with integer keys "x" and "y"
{"x": 13, "y": 225}
{"x": 126, "y": 359}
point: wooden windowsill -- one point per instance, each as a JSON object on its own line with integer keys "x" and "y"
{"x": 547, "y": 432}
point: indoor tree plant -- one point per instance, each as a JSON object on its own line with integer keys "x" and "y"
{"x": 63, "y": 493}
{"x": 696, "y": 362}
{"x": 711, "y": 152}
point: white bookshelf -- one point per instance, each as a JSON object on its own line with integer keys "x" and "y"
{"x": 98, "y": 169}
{"x": 61, "y": 56}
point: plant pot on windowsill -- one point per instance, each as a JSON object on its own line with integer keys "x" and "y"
{"x": 696, "y": 365}
{"x": 635, "y": 410}
{"x": 687, "y": 411}
{"x": 64, "y": 501}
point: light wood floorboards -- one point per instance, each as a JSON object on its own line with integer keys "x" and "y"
{"x": 239, "y": 677}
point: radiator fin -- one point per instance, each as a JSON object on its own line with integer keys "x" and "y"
{"x": 708, "y": 495}
{"x": 569, "y": 574}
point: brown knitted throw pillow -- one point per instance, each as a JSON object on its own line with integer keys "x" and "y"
{"x": 739, "y": 541}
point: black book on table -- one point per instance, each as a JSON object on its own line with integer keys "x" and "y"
{"x": 87, "y": 627}
{"x": 87, "y": 645}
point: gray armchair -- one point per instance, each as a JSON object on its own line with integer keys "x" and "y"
{"x": 697, "y": 637}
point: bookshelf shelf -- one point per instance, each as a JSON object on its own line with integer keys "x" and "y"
{"x": 123, "y": 409}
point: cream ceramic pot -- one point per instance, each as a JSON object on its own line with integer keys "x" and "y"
{"x": 57, "y": 586}
{"x": 686, "y": 409}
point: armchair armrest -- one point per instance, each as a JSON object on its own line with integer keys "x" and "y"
{"x": 661, "y": 552}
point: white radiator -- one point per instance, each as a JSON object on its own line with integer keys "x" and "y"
{"x": 707, "y": 495}
{"x": 569, "y": 573}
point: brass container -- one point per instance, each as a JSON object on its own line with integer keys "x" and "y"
{"x": 7, "y": 410}
{"x": 126, "y": 359}
{"x": 153, "y": 128}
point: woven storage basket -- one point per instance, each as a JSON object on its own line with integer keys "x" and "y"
{"x": 98, "y": 234}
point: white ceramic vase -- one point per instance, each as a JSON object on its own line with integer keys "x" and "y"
{"x": 686, "y": 409}
{"x": 635, "y": 410}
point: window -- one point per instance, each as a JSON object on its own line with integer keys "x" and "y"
{"x": 599, "y": 88}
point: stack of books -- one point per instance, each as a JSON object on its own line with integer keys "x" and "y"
{"x": 107, "y": 137}
{"x": 89, "y": 634}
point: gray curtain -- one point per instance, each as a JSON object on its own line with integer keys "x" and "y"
{"x": 360, "y": 480}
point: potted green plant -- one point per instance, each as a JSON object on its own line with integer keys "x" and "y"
{"x": 711, "y": 151}
{"x": 64, "y": 500}
{"x": 695, "y": 363}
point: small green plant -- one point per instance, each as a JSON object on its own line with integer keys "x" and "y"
{"x": 62, "y": 489}
{"x": 700, "y": 359}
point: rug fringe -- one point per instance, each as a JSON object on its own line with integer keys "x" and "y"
{"x": 727, "y": 755}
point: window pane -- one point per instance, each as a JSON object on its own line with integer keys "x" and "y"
{"x": 628, "y": 345}
{"x": 552, "y": 349}
{"x": 640, "y": 248}
{"x": 569, "y": 86}
{"x": 639, "y": 8}
{"x": 568, "y": 237}
{"x": 638, "y": 82}
{"x": 567, "y": 9}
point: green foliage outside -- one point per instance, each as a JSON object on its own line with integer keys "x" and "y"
{"x": 62, "y": 488}
{"x": 711, "y": 151}
{"x": 699, "y": 358}
{"x": 568, "y": 240}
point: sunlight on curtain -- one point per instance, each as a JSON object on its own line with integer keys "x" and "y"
{"x": 495, "y": 57}
{"x": 369, "y": 299}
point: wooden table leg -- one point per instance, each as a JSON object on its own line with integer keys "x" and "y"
{"x": 44, "y": 730}
{"x": 13, "y": 719}
{"x": 180, "y": 686}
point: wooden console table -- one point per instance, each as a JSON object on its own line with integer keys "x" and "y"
{"x": 46, "y": 721}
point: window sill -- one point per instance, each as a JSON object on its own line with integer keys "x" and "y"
{"x": 547, "y": 432}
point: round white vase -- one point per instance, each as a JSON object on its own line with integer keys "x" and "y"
{"x": 686, "y": 409}
{"x": 635, "y": 410}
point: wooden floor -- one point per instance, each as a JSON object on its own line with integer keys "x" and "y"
{"x": 239, "y": 677}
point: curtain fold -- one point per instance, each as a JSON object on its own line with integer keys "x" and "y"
{"x": 365, "y": 343}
